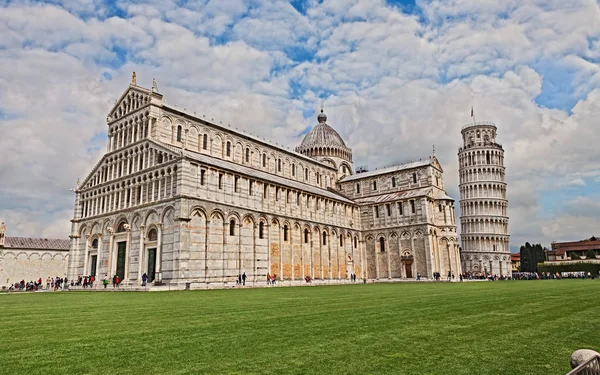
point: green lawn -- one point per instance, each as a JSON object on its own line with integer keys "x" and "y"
{"x": 519, "y": 327}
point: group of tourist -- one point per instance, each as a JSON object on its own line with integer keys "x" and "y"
{"x": 241, "y": 279}
{"x": 85, "y": 281}
{"x": 32, "y": 286}
{"x": 553, "y": 276}
{"x": 438, "y": 277}
{"x": 271, "y": 279}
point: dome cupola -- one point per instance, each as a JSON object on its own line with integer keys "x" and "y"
{"x": 323, "y": 143}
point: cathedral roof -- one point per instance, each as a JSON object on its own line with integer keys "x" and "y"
{"x": 322, "y": 135}
{"x": 36, "y": 243}
{"x": 256, "y": 173}
{"x": 395, "y": 168}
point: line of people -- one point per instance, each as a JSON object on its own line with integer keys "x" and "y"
{"x": 32, "y": 286}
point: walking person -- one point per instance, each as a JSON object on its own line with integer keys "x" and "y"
{"x": 244, "y": 279}
{"x": 418, "y": 276}
{"x": 117, "y": 280}
{"x": 114, "y": 281}
{"x": 105, "y": 281}
{"x": 268, "y": 279}
{"x": 144, "y": 279}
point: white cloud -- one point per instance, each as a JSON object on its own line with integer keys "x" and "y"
{"x": 394, "y": 84}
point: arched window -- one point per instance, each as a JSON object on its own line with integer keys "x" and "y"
{"x": 204, "y": 141}
{"x": 261, "y": 230}
{"x": 121, "y": 228}
{"x": 324, "y": 238}
{"x": 341, "y": 240}
{"x": 285, "y": 232}
{"x": 152, "y": 235}
{"x": 414, "y": 178}
{"x": 95, "y": 243}
{"x": 232, "y": 227}
{"x": 228, "y": 149}
{"x": 382, "y": 244}
{"x": 393, "y": 181}
{"x": 264, "y": 159}
{"x": 374, "y": 185}
{"x": 293, "y": 169}
{"x": 306, "y": 174}
{"x": 305, "y": 235}
{"x": 247, "y": 155}
{"x": 278, "y": 165}
{"x": 355, "y": 242}
{"x": 179, "y": 133}
{"x": 357, "y": 188}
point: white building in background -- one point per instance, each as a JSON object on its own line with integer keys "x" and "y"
{"x": 29, "y": 259}
{"x": 483, "y": 203}
{"x": 188, "y": 200}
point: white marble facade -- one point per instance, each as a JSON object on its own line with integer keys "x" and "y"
{"x": 483, "y": 203}
{"x": 191, "y": 201}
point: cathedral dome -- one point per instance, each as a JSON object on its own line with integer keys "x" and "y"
{"x": 325, "y": 144}
{"x": 322, "y": 135}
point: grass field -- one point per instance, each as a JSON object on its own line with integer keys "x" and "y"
{"x": 521, "y": 327}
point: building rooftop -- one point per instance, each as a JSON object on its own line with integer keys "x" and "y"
{"x": 36, "y": 243}
{"x": 394, "y": 168}
{"x": 224, "y": 164}
{"x": 562, "y": 247}
{"x": 391, "y": 197}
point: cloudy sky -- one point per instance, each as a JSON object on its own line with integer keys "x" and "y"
{"x": 395, "y": 78}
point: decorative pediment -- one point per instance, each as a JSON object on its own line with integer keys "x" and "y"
{"x": 165, "y": 150}
{"x": 131, "y": 100}
{"x": 436, "y": 164}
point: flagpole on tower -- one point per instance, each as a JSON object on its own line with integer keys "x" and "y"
{"x": 473, "y": 115}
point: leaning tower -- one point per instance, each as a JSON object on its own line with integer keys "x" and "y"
{"x": 483, "y": 203}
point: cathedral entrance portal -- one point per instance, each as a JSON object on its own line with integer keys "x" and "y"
{"x": 93, "y": 265}
{"x": 151, "y": 265}
{"x": 121, "y": 253}
{"x": 408, "y": 270}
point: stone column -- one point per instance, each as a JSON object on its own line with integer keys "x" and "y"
{"x": 389, "y": 261}
{"x": 127, "y": 252}
{"x": 291, "y": 248}
{"x": 377, "y": 258}
{"x": 99, "y": 257}
{"x": 312, "y": 256}
{"x": 159, "y": 248}
{"x": 109, "y": 272}
{"x": 141, "y": 251}
{"x": 280, "y": 252}
{"x": 254, "y": 269}
{"x": 329, "y": 256}
{"x": 159, "y": 187}
{"x": 86, "y": 253}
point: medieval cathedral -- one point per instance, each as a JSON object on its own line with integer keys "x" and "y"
{"x": 191, "y": 202}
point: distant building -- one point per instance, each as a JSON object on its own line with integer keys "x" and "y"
{"x": 515, "y": 261}
{"x": 23, "y": 258}
{"x": 577, "y": 250}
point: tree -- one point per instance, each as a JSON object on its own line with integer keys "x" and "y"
{"x": 574, "y": 256}
{"x": 591, "y": 254}
{"x": 531, "y": 255}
